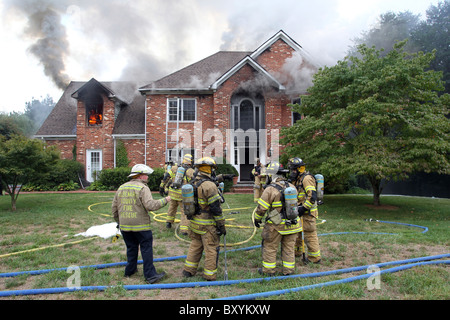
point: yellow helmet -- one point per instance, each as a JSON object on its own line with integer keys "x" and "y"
{"x": 205, "y": 164}
{"x": 187, "y": 159}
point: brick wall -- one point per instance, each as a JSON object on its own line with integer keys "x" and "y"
{"x": 98, "y": 136}
{"x": 64, "y": 146}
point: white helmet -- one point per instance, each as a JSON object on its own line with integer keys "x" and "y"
{"x": 140, "y": 169}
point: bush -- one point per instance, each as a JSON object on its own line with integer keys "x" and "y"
{"x": 64, "y": 172}
{"x": 154, "y": 180}
{"x": 226, "y": 168}
{"x": 112, "y": 179}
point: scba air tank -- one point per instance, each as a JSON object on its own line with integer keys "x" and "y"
{"x": 178, "y": 180}
{"x": 319, "y": 186}
{"x": 290, "y": 201}
{"x": 187, "y": 196}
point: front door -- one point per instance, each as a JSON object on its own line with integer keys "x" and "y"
{"x": 93, "y": 164}
{"x": 248, "y": 117}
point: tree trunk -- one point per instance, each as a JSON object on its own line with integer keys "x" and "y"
{"x": 13, "y": 201}
{"x": 376, "y": 184}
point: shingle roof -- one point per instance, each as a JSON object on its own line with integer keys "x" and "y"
{"x": 201, "y": 74}
{"x": 62, "y": 120}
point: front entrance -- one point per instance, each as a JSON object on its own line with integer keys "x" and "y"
{"x": 93, "y": 164}
{"x": 247, "y": 120}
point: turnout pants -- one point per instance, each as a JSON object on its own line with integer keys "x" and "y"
{"x": 270, "y": 243}
{"x": 172, "y": 211}
{"x": 311, "y": 239}
{"x": 209, "y": 243}
{"x": 144, "y": 240}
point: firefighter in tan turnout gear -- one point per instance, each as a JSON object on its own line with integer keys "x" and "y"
{"x": 180, "y": 175}
{"x": 307, "y": 196}
{"x": 282, "y": 224}
{"x": 132, "y": 202}
{"x": 259, "y": 174}
{"x": 207, "y": 222}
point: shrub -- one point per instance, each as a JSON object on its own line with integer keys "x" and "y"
{"x": 112, "y": 179}
{"x": 226, "y": 168}
{"x": 155, "y": 178}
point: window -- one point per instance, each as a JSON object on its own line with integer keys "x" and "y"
{"x": 94, "y": 109}
{"x": 183, "y": 110}
{"x": 172, "y": 154}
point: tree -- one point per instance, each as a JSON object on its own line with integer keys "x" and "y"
{"x": 434, "y": 33}
{"x": 38, "y": 110}
{"x": 20, "y": 159}
{"x": 391, "y": 28}
{"x": 377, "y": 116}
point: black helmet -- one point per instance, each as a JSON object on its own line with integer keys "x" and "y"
{"x": 295, "y": 163}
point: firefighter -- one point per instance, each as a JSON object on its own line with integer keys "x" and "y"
{"x": 307, "y": 196}
{"x": 279, "y": 227}
{"x": 207, "y": 223}
{"x": 259, "y": 174}
{"x": 132, "y": 202}
{"x": 163, "y": 190}
{"x": 175, "y": 192}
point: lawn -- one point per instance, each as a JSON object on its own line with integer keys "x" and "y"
{"x": 41, "y": 235}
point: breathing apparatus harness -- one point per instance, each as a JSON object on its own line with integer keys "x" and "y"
{"x": 289, "y": 210}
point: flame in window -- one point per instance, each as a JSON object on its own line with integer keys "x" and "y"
{"x": 95, "y": 118}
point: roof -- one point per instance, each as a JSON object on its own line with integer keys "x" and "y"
{"x": 207, "y": 74}
{"x": 62, "y": 121}
{"x": 200, "y": 75}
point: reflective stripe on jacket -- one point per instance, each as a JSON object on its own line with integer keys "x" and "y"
{"x": 132, "y": 202}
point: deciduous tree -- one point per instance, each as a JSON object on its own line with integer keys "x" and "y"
{"x": 378, "y": 115}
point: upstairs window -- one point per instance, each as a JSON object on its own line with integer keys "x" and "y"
{"x": 94, "y": 109}
{"x": 182, "y": 110}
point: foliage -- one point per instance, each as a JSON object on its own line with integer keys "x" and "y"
{"x": 226, "y": 168}
{"x": 112, "y": 179}
{"x": 376, "y": 116}
{"x": 155, "y": 178}
{"x": 22, "y": 158}
{"x": 423, "y": 35}
{"x": 121, "y": 155}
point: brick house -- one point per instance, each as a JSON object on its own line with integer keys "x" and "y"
{"x": 229, "y": 105}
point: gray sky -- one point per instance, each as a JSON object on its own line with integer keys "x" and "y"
{"x": 49, "y": 42}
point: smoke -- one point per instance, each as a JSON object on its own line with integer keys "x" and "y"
{"x": 297, "y": 74}
{"x": 48, "y": 35}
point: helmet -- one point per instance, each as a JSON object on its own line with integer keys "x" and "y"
{"x": 140, "y": 169}
{"x": 205, "y": 164}
{"x": 275, "y": 168}
{"x": 296, "y": 163}
{"x": 205, "y": 161}
{"x": 187, "y": 159}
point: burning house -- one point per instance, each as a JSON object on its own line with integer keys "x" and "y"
{"x": 229, "y": 105}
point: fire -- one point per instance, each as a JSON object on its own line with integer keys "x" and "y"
{"x": 95, "y": 118}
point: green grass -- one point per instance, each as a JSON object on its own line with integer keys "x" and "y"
{"x": 45, "y": 220}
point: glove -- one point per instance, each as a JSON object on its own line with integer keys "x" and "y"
{"x": 301, "y": 210}
{"x": 257, "y": 222}
{"x": 221, "y": 230}
{"x": 161, "y": 191}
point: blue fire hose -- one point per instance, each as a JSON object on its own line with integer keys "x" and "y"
{"x": 409, "y": 264}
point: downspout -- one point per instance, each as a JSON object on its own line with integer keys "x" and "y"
{"x": 115, "y": 146}
{"x": 145, "y": 131}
